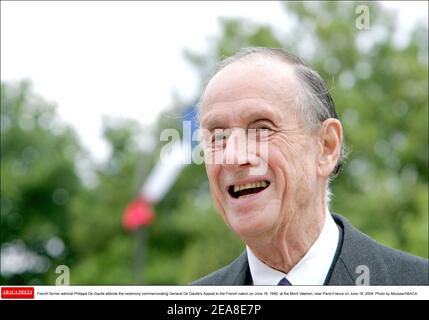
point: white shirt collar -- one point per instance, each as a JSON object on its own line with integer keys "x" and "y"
{"x": 312, "y": 269}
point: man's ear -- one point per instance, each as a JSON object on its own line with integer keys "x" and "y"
{"x": 331, "y": 136}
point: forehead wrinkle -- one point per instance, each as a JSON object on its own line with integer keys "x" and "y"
{"x": 254, "y": 113}
{"x": 229, "y": 91}
{"x": 211, "y": 120}
{"x": 275, "y": 82}
{"x": 254, "y": 109}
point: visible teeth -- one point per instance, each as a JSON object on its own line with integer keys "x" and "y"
{"x": 257, "y": 184}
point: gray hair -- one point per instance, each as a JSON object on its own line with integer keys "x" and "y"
{"x": 314, "y": 102}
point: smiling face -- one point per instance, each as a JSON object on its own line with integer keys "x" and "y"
{"x": 259, "y": 94}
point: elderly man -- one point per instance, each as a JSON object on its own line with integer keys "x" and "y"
{"x": 271, "y": 184}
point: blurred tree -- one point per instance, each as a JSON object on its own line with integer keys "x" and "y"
{"x": 37, "y": 183}
{"x": 105, "y": 250}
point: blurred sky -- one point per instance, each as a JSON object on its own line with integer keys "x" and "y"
{"x": 123, "y": 59}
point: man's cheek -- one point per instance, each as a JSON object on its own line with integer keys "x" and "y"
{"x": 212, "y": 174}
{"x": 215, "y": 187}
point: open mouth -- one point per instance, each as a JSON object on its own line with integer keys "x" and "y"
{"x": 240, "y": 191}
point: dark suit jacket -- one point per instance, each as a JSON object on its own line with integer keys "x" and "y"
{"x": 386, "y": 266}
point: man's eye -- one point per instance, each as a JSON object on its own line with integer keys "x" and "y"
{"x": 263, "y": 131}
{"x": 218, "y": 136}
{"x": 259, "y": 132}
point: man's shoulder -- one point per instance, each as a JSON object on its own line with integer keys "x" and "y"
{"x": 404, "y": 268}
{"x": 218, "y": 277}
{"x": 236, "y": 273}
{"x": 387, "y": 266}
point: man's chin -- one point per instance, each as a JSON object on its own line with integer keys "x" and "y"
{"x": 251, "y": 225}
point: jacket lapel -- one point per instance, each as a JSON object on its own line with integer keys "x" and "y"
{"x": 240, "y": 271}
{"x": 358, "y": 255}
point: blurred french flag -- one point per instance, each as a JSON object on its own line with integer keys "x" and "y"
{"x": 139, "y": 212}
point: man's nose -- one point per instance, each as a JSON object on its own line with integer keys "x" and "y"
{"x": 236, "y": 151}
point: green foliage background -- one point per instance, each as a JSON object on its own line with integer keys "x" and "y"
{"x": 381, "y": 95}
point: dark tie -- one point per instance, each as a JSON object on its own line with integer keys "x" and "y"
{"x": 284, "y": 282}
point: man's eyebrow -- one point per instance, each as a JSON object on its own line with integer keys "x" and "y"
{"x": 256, "y": 115}
{"x": 214, "y": 120}
{"x": 211, "y": 121}
{"x": 264, "y": 119}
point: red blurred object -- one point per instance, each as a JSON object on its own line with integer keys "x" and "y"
{"x": 138, "y": 213}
